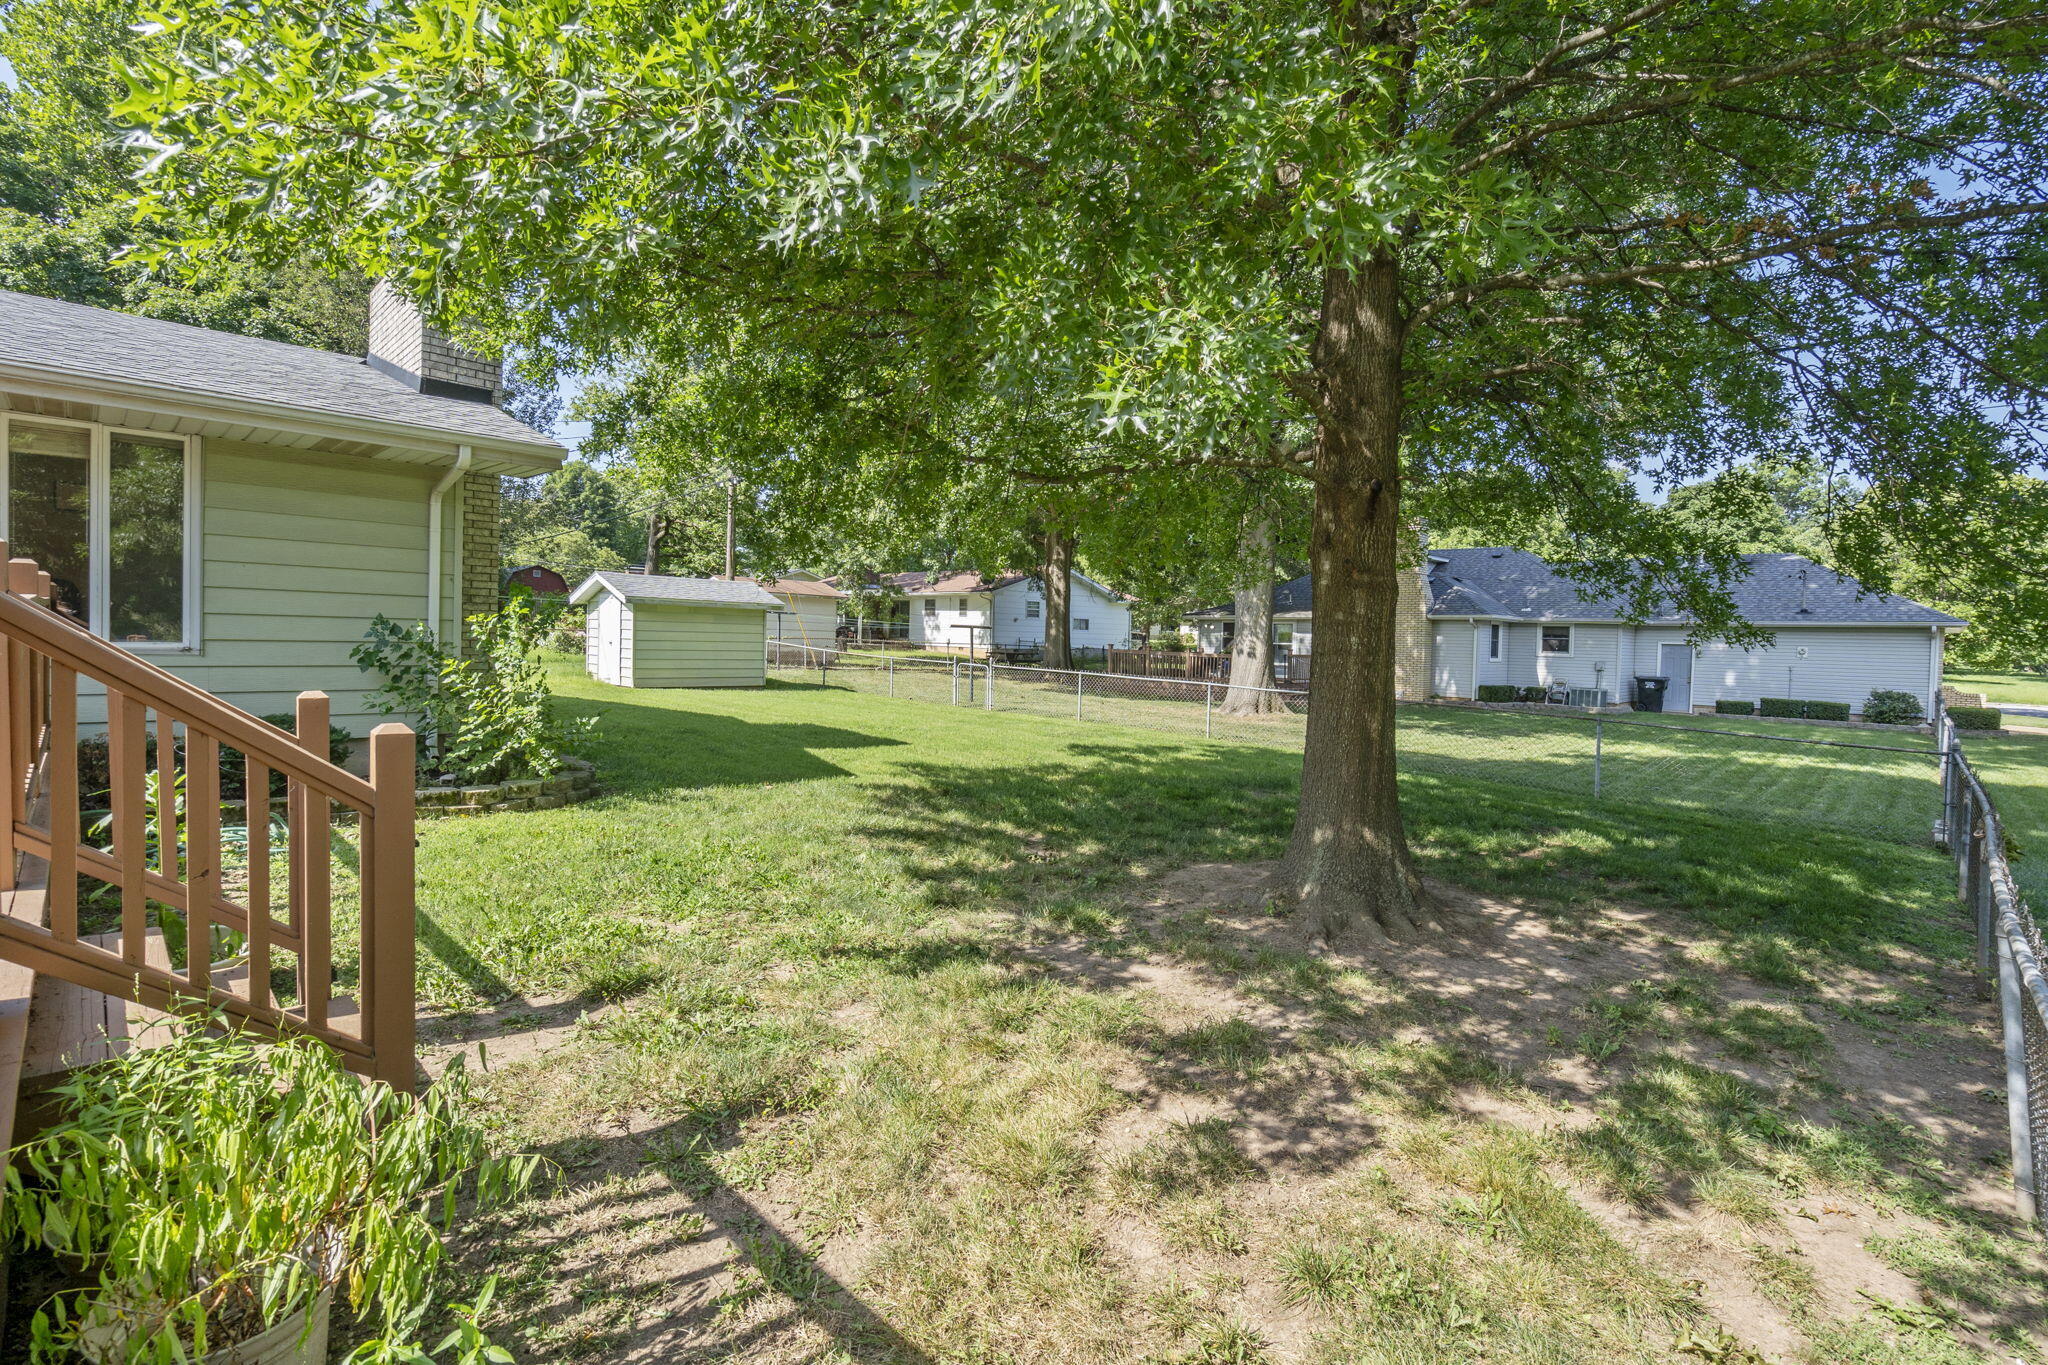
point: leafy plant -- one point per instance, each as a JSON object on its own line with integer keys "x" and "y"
{"x": 1532, "y": 694}
{"x": 1892, "y": 708}
{"x": 1827, "y": 710}
{"x": 1727, "y": 707}
{"x": 1784, "y": 707}
{"x": 1976, "y": 717}
{"x": 1496, "y": 691}
{"x": 487, "y": 715}
{"x": 218, "y": 1184}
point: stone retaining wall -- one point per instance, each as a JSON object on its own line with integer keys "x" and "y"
{"x": 576, "y": 782}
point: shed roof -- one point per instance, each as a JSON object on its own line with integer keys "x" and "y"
{"x": 98, "y": 345}
{"x": 798, "y": 587}
{"x": 657, "y": 588}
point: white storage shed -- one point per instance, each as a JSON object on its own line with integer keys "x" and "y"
{"x": 646, "y": 630}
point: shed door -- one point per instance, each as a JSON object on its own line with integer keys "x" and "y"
{"x": 608, "y": 660}
{"x": 1675, "y": 663}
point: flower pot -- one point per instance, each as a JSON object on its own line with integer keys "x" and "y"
{"x": 300, "y": 1338}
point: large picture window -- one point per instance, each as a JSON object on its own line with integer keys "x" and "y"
{"x": 109, "y": 514}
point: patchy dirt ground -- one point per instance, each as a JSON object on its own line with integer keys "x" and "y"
{"x": 1600, "y": 1092}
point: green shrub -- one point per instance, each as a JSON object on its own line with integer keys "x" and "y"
{"x": 215, "y": 1185}
{"x": 1726, "y": 707}
{"x": 1827, "y": 710}
{"x": 1497, "y": 691}
{"x": 1784, "y": 707}
{"x": 484, "y": 717}
{"x": 1532, "y": 694}
{"x": 1891, "y": 708}
{"x": 95, "y": 764}
{"x": 1976, "y": 717}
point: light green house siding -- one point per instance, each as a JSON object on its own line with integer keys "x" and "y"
{"x": 676, "y": 645}
{"x": 299, "y": 551}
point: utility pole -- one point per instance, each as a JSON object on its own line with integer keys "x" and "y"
{"x": 731, "y": 495}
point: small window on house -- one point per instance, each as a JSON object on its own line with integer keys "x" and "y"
{"x": 1080, "y": 622}
{"x": 931, "y": 606}
{"x": 1557, "y": 639}
{"x": 1031, "y": 609}
{"x": 1493, "y": 642}
{"x": 963, "y": 604}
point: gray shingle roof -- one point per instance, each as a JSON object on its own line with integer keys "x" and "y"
{"x": 95, "y": 343}
{"x": 1517, "y": 585}
{"x": 703, "y": 592}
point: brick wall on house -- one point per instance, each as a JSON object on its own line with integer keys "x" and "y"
{"x": 480, "y": 512}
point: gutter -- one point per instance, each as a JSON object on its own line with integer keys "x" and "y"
{"x": 464, "y": 458}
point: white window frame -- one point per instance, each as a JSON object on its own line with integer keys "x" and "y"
{"x": 99, "y": 521}
{"x": 1571, "y": 641}
{"x": 1493, "y": 634}
{"x": 931, "y": 606}
{"x": 1078, "y": 622}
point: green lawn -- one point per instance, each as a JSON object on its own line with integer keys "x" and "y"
{"x": 902, "y": 1045}
{"x": 2001, "y": 689}
{"x": 1881, "y": 783}
{"x": 2014, "y": 769}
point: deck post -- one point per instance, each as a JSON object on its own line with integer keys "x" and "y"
{"x": 388, "y": 929}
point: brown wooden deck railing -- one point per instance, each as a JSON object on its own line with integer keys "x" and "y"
{"x": 1290, "y": 671}
{"x": 181, "y": 875}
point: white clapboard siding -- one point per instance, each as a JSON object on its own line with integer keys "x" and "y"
{"x": 686, "y": 646}
{"x": 1843, "y": 663}
{"x": 805, "y": 620}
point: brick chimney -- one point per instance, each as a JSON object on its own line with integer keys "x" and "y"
{"x": 403, "y": 346}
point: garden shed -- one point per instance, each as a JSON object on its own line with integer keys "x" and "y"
{"x": 647, "y": 630}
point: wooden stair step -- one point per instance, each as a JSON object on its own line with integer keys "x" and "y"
{"x": 72, "y": 1026}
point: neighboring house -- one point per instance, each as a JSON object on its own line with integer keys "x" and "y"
{"x": 810, "y": 609}
{"x": 1007, "y": 612}
{"x": 649, "y": 630}
{"x": 239, "y": 510}
{"x": 538, "y": 579}
{"x": 1493, "y": 616}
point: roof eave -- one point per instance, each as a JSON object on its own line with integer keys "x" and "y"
{"x": 54, "y": 381}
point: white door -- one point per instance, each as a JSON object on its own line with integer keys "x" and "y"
{"x": 1675, "y": 663}
{"x": 610, "y": 665}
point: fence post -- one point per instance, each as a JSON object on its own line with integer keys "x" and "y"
{"x": 988, "y": 695}
{"x": 2018, "y": 1103}
{"x": 956, "y": 682}
{"x": 1976, "y": 890}
{"x": 1078, "y": 675}
{"x": 388, "y": 951}
{"x": 1599, "y": 735}
{"x": 1208, "y": 709}
{"x": 890, "y": 660}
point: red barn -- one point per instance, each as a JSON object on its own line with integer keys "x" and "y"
{"x": 539, "y": 580}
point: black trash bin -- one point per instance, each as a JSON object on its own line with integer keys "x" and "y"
{"x": 1650, "y": 692}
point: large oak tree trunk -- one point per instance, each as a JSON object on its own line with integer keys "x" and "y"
{"x": 1057, "y": 573}
{"x": 1348, "y": 863}
{"x": 1251, "y": 647}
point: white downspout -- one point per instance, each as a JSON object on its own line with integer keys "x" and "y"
{"x": 464, "y": 457}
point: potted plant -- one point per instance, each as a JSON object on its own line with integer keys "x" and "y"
{"x": 218, "y": 1191}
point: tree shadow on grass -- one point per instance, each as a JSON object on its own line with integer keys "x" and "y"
{"x": 727, "y": 1277}
{"x": 643, "y": 748}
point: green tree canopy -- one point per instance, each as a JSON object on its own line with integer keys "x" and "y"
{"x": 1508, "y": 257}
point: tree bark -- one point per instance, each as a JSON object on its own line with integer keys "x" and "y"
{"x": 1057, "y": 573}
{"x": 1348, "y": 863}
{"x": 1251, "y": 647}
{"x": 657, "y": 531}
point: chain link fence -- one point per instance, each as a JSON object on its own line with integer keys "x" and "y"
{"x": 2009, "y": 951}
{"x": 1887, "y": 790}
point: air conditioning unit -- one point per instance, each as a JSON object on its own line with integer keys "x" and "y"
{"x": 1586, "y": 696}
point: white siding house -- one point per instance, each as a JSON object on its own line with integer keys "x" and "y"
{"x": 647, "y": 630}
{"x": 238, "y": 510}
{"x": 1498, "y": 616}
{"x": 1009, "y": 612}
